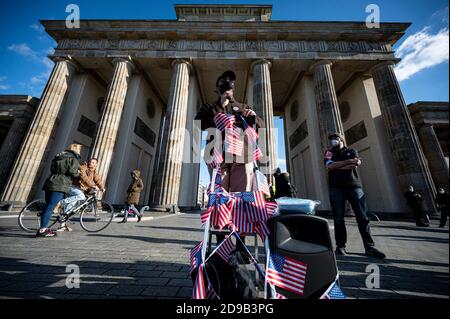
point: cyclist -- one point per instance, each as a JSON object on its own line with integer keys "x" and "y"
{"x": 87, "y": 181}
{"x": 64, "y": 168}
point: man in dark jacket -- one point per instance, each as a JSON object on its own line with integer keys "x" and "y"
{"x": 414, "y": 200}
{"x": 442, "y": 204}
{"x": 133, "y": 195}
{"x": 64, "y": 168}
{"x": 344, "y": 185}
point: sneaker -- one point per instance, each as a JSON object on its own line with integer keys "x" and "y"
{"x": 340, "y": 251}
{"x": 373, "y": 252}
{"x": 46, "y": 233}
{"x": 64, "y": 228}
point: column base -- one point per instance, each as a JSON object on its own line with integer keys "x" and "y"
{"x": 164, "y": 208}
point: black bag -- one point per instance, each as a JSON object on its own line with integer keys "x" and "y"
{"x": 230, "y": 281}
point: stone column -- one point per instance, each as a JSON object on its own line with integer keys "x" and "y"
{"x": 33, "y": 149}
{"x": 410, "y": 163}
{"x": 435, "y": 157}
{"x": 326, "y": 101}
{"x": 9, "y": 148}
{"x": 167, "y": 186}
{"x": 263, "y": 106}
{"x": 108, "y": 127}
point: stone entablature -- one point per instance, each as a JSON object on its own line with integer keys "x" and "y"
{"x": 223, "y": 12}
{"x": 234, "y": 45}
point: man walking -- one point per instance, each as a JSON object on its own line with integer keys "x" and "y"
{"x": 414, "y": 200}
{"x": 344, "y": 185}
{"x": 442, "y": 204}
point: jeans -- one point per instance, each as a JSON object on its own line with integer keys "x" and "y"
{"x": 51, "y": 200}
{"x": 357, "y": 199}
{"x": 75, "y": 194}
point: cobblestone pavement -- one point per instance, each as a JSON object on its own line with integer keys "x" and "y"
{"x": 149, "y": 260}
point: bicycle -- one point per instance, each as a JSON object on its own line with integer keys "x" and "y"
{"x": 95, "y": 214}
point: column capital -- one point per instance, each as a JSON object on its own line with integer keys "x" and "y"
{"x": 67, "y": 59}
{"x": 380, "y": 65}
{"x": 260, "y": 61}
{"x": 125, "y": 59}
{"x": 188, "y": 61}
{"x": 317, "y": 63}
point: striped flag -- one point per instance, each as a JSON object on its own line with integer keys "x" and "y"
{"x": 262, "y": 230}
{"x": 225, "y": 248}
{"x": 196, "y": 257}
{"x": 271, "y": 207}
{"x": 239, "y": 216}
{"x": 279, "y": 296}
{"x": 216, "y": 158}
{"x": 253, "y": 139}
{"x": 333, "y": 292}
{"x": 255, "y": 205}
{"x": 286, "y": 273}
{"x": 224, "y": 121}
{"x": 260, "y": 183}
{"x": 234, "y": 141}
{"x": 257, "y": 154}
{"x": 199, "y": 286}
{"x": 222, "y": 212}
{"x": 206, "y": 214}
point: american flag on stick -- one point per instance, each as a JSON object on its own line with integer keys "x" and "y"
{"x": 225, "y": 248}
{"x": 255, "y": 205}
{"x": 239, "y": 216}
{"x": 196, "y": 257}
{"x": 199, "y": 291}
{"x": 286, "y": 273}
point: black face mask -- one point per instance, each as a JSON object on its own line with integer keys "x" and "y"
{"x": 225, "y": 86}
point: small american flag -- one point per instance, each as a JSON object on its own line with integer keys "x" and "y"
{"x": 334, "y": 292}
{"x": 262, "y": 230}
{"x": 225, "y": 248}
{"x": 196, "y": 257}
{"x": 271, "y": 207}
{"x": 255, "y": 205}
{"x": 279, "y": 296}
{"x": 223, "y": 211}
{"x": 216, "y": 158}
{"x": 234, "y": 141}
{"x": 286, "y": 273}
{"x": 260, "y": 183}
{"x": 239, "y": 216}
{"x": 224, "y": 121}
{"x": 253, "y": 139}
{"x": 206, "y": 214}
{"x": 199, "y": 286}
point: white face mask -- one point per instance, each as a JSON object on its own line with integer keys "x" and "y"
{"x": 335, "y": 142}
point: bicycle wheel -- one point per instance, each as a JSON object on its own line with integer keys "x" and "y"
{"x": 96, "y": 216}
{"x": 30, "y": 215}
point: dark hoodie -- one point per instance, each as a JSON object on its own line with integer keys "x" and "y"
{"x": 134, "y": 190}
{"x": 65, "y": 167}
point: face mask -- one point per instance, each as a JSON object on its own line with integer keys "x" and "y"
{"x": 335, "y": 142}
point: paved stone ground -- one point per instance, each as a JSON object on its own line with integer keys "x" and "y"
{"x": 149, "y": 260}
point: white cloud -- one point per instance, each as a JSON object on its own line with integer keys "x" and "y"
{"x": 3, "y": 86}
{"x": 24, "y": 50}
{"x": 422, "y": 50}
{"x": 442, "y": 15}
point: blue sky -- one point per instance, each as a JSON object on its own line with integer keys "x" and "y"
{"x": 423, "y": 73}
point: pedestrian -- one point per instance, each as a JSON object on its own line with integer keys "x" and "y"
{"x": 65, "y": 167}
{"x": 284, "y": 188}
{"x": 344, "y": 185}
{"x": 414, "y": 200}
{"x": 442, "y": 204}
{"x": 133, "y": 195}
